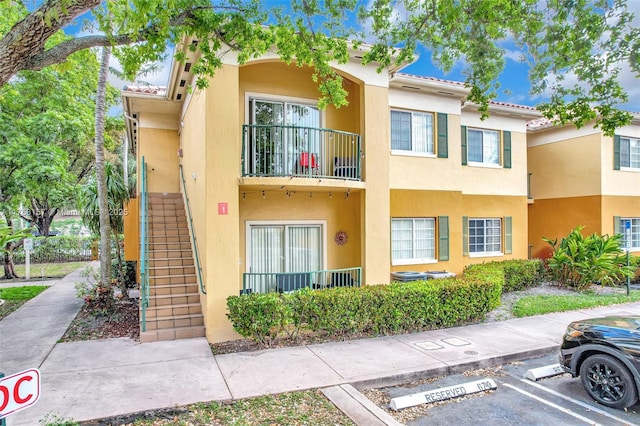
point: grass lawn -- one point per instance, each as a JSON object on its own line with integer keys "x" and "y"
{"x": 294, "y": 408}
{"x": 14, "y": 297}
{"x": 544, "y": 304}
{"x": 49, "y": 270}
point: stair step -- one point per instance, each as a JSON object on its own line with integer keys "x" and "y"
{"x": 171, "y": 299}
{"x": 164, "y": 195}
{"x": 172, "y": 279}
{"x": 173, "y": 261}
{"x": 172, "y": 334}
{"x": 160, "y": 271}
{"x": 175, "y": 321}
{"x": 170, "y": 254}
{"x": 159, "y": 226}
{"x": 169, "y": 246}
{"x": 177, "y": 309}
{"x": 165, "y": 232}
{"x": 180, "y": 289}
{"x": 157, "y": 239}
{"x": 158, "y": 212}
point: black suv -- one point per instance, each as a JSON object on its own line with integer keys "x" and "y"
{"x": 605, "y": 353}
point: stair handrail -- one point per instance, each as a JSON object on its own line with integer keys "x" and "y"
{"x": 144, "y": 247}
{"x": 192, "y": 231}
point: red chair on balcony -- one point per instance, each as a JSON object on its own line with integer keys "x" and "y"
{"x": 309, "y": 162}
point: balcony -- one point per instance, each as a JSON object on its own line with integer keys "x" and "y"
{"x": 259, "y": 282}
{"x": 293, "y": 151}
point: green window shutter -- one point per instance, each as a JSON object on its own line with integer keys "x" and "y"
{"x": 443, "y": 136}
{"x": 616, "y": 225}
{"x": 464, "y": 145}
{"x": 616, "y": 152}
{"x": 443, "y": 237}
{"x": 465, "y": 235}
{"x": 506, "y": 150}
{"x": 508, "y": 236}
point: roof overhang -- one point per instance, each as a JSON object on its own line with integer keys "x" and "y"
{"x": 429, "y": 84}
{"x": 506, "y": 109}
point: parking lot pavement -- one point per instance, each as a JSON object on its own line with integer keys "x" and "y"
{"x": 553, "y": 401}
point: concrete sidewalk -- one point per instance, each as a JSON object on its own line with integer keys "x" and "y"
{"x": 103, "y": 378}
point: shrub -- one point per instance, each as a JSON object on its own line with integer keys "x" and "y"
{"x": 56, "y": 249}
{"x": 129, "y": 272}
{"x": 98, "y": 296}
{"x": 517, "y": 274}
{"x": 379, "y": 309}
{"x": 260, "y": 317}
{"x": 579, "y": 261}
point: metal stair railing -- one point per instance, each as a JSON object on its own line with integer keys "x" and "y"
{"x": 144, "y": 247}
{"x": 192, "y": 231}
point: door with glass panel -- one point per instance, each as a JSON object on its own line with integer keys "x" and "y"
{"x": 275, "y": 251}
{"x": 282, "y": 135}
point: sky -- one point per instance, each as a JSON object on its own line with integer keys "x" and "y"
{"x": 515, "y": 86}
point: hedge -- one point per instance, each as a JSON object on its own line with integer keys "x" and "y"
{"x": 61, "y": 248}
{"x": 517, "y": 274}
{"x": 377, "y": 309}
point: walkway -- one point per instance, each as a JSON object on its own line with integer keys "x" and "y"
{"x": 102, "y": 378}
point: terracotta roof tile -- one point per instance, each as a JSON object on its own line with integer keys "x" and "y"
{"x": 439, "y": 80}
{"x": 149, "y": 90}
{"x": 511, "y": 105}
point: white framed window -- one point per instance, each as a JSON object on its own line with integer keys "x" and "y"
{"x": 285, "y": 247}
{"x": 483, "y": 147}
{"x": 412, "y": 132}
{"x": 485, "y": 236}
{"x": 634, "y": 225}
{"x": 413, "y": 241}
{"x": 630, "y": 153}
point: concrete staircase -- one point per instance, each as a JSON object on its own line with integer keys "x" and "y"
{"x": 174, "y": 310}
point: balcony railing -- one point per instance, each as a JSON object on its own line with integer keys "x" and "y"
{"x": 265, "y": 282}
{"x": 292, "y": 151}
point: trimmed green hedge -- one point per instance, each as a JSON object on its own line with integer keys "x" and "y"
{"x": 379, "y": 309}
{"x": 517, "y": 274}
{"x": 61, "y": 248}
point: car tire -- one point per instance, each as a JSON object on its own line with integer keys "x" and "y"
{"x": 608, "y": 381}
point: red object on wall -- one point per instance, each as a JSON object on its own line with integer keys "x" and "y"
{"x": 223, "y": 208}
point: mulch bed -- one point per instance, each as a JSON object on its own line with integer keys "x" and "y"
{"x": 123, "y": 322}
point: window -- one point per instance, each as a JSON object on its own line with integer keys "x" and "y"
{"x": 412, "y": 131}
{"x": 483, "y": 146}
{"x": 630, "y": 153}
{"x": 485, "y": 236}
{"x": 413, "y": 241}
{"x": 634, "y": 225}
{"x": 285, "y": 248}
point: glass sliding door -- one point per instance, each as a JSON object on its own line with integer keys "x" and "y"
{"x": 276, "y": 249}
{"x": 282, "y": 132}
{"x": 267, "y": 139}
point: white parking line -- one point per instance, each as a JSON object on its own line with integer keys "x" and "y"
{"x": 580, "y": 403}
{"x": 551, "y": 404}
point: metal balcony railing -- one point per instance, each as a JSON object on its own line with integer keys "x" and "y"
{"x": 292, "y": 151}
{"x": 265, "y": 282}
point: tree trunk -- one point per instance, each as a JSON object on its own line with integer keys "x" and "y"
{"x": 123, "y": 284}
{"x": 40, "y": 215}
{"x": 103, "y": 202}
{"x": 9, "y": 267}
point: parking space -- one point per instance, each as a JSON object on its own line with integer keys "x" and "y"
{"x": 558, "y": 400}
